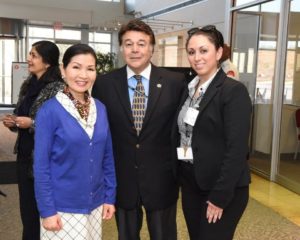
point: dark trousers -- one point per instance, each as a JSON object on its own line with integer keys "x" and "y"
{"x": 161, "y": 223}
{"x": 194, "y": 208}
{"x": 28, "y": 207}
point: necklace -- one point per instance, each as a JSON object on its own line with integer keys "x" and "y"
{"x": 82, "y": 108}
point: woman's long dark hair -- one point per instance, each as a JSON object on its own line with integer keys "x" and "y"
{"x": 50, "y": 55}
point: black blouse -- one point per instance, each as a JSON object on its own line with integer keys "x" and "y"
{"x": 26, "y": 137}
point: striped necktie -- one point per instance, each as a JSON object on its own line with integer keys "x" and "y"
{"x": 138, "y": 104}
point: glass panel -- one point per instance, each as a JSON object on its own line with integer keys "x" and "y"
{"x": 241, "y": 2}
{"x": 169, "y": 53}
{"x": 41, "y": 32}
{"x": 34, "y": 40}
{"x": 100, "y": 37}
{"x": 7, "y": 56}
{"x": 62, "y": 48}
{"x": 289, "y": 165}
{"x": 254, "y": 52}
{"x": 103, "y": 48}
{"x": 68, "y": 34}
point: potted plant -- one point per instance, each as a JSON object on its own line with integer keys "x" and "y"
{"x": 105, "y": 62}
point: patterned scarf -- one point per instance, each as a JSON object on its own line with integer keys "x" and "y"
{"x": 83, "y": 108}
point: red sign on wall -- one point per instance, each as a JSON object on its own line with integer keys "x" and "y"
{"x": 57, "y": 25}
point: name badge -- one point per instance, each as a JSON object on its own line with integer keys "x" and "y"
{"x": 184, "y": 153}
{"x": 191, "y": 116}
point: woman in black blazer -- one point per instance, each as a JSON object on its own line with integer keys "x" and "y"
{"x": 214, "y": 124}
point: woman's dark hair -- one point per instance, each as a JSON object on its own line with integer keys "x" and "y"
{"x": 75, "y": 50}
{"x": 226, "y": 53}
{"x": 48, "y": 51}
{"x": 210, "y": 31}
{"x": 139, "y": 26}
{"x": 50, "y": 55}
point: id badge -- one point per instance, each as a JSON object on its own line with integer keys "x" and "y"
{"x": 191, "y": 116}
{"x": 184, "y": 153}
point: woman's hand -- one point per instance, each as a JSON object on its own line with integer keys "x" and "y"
{"x": 213, "y": 213}
{"x": 108, "y": 211}
{"x": 9, "y": 120}
{"x": 52, "y": 223}
{"x": 23, "y": 122}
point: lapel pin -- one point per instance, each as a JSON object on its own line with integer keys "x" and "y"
{"x": 158, "y": 85}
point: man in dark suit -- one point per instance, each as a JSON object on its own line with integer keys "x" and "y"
{"x": 142, "y": 101}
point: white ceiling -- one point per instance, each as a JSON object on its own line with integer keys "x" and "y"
{"x": 108, "y": 14}
{"x": 86, "y": 5}
{"x": 91, "y": 12}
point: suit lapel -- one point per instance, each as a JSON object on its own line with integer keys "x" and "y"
{"x": 121, "y": 86}
{"x": 212, "y": 90}
{"x": 155, "y": 88}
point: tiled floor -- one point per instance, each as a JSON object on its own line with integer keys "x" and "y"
{"x": 281, "y": 200}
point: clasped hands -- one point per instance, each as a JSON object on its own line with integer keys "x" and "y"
{"x": 15, "y": 121}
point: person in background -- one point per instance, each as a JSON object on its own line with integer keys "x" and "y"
{"x": 43, "y": 83}
{"x": 214, "y": 124}
{"x": 142, "y": 101}
{"x": 74, "y": 169}
{"x": 228, "y": 67}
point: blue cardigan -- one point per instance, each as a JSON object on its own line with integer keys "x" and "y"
{"x": 72, "y": 172}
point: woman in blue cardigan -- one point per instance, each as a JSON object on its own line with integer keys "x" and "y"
{"x": 73, "y": 159}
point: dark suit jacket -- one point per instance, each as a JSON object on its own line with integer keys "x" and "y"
{"x": 144, "y": 163}
{"x": 220, "y": 139}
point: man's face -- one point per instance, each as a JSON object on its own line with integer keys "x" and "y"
{"x": 137, "y": 50}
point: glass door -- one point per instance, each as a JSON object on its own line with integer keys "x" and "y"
{"x": 289, "y": 157}
{"x": 254, "y": 41}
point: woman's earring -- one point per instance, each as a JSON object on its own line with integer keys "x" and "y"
{"x": 190, "y": 73}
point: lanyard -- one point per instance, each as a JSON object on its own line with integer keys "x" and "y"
{"x": 194, "y": 103}
{"x": 140, "y": 93}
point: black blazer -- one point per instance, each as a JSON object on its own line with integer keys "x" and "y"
{"x": 144, "y": 163}
{"x": 220, "y": 139}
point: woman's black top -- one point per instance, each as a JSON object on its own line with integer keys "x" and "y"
{"x": 26, "y": 137}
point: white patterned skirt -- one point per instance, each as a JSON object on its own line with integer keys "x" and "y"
{"x": 77, "y": 227}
